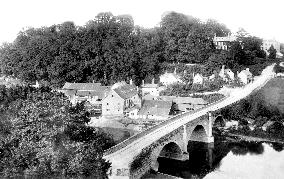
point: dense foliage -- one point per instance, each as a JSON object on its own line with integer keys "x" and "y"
{"x": 256, "y": 108}
{"x": 42, "y": 135}
{"x": 110, "y": 48}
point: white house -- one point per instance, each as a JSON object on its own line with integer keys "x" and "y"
{"x": 245, "y": 76}
{"x": 198, "y": 79}
{"x": 226, "y": 74}
{"x": 155, "y": 110}
{"x": 170, "y": 78}
{"x": 151, "y": 88}
{"x": 121, "y": 97}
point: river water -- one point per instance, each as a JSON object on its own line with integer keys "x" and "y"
{"x": 227, "y": 159}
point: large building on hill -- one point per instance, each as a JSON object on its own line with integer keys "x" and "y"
{"x": 266, "y": 44}
{"x": 222, "y": 42}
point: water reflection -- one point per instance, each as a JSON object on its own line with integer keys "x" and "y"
{"x": 242, "y": 148}
{"x": 277, "y": 147}
{"x": 205, "y": 159}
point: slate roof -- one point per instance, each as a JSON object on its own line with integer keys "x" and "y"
{"x": 184, "y": 100}
{"x": 150, "y": 85}
{"x": 167, "y": 75}
{"x": 81, "y": 86}
{"x": 246, "y": 72}
{"x": 100, "y": 91}
{"x": 155, "y": 107}
{"x": 126, "y": 91}
{"x": 149, "y": 97}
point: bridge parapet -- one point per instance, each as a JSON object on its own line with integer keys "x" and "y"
{"x": 123, "y": 155}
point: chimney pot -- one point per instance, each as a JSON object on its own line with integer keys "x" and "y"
{"x": 130, "y": 82}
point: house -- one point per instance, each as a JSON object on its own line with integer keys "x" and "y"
{"x": 245, "y": 76}
{"x": 266, "y": 125}
{"x": 150, "y": 97}
{"x": 184, "y": 104}
{"x": 267, "y": 43}
{"x": 212, "y": 77}
{"x": 222, "y": 42}
{"x": 151, "y": 88}
{"x": 274, "y": 125}
{"x": 122, "y": 96}
{"x": 155, "y": 110}
{"x": 198, "y": 79}
{"x": 170, "y": 78}
{"x": 132, "y": 112}
{"x": 226, "y": 74}
{"x": 91, "y": 93}
{"x": 250, "y": 122}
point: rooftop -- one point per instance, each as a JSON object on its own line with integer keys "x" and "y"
{"x": 155, "y": 107}
{"x": 81, "y": 86}
{"x": 126, "y": 91}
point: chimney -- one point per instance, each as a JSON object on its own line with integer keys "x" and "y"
{"x": 153, "y": 81}
{"x": 223, "y": 67}
{"x": 175, "y": 72}
{"x": 130, "y": 82}
{"x": 143, "y": 83}
{"x": 247, "y": 69}
{"x": 93, "y": 81}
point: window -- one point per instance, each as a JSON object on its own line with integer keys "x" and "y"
{"x": 107, "y": 103}
{"x": 111, "y": 95}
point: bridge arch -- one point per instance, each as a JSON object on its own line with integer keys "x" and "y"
{"x": 171, "y": 149}
{"x": 219, "y": 121}
{"x": 199, "y": 133}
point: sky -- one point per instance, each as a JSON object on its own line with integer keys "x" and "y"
{"x": 262, "y": 18}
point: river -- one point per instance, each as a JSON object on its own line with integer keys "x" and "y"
{"x": 227, "y": 159}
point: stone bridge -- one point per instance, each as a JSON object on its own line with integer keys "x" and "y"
{"x": 135, "y": 156}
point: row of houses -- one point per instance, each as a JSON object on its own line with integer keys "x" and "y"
{"x": 122, "y": 99}
{"x": 245, "y": 77}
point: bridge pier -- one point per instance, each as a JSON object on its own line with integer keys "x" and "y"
{"x": 210, "y": 138}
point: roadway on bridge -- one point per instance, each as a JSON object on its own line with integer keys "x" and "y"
{"x": 122, "y": 154}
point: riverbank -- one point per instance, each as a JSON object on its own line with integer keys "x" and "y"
{"x": 231, "y": 136}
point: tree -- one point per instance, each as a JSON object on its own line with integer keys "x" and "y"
{"x": 43, "y": 135}
{"x": 272, "y": 52}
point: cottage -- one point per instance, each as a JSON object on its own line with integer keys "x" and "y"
{"x": 121, "y": 97}
{"x": 226, "y": 74}
{"x": 198, "y": 79}
{"x": 151, "y": 88}
{"x": 93, "y": 93}
{"x": 170, "y": 78}
{"x": 245, "y": 76}
{"x": 273, "y": 125}
{"x": 184, "y": 104}
{"x": 155, "y": 110}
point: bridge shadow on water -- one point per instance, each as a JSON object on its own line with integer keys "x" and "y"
{"x": 205, "y": 158}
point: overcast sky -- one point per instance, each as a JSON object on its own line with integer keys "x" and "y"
{"x": 263, "y": 18}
